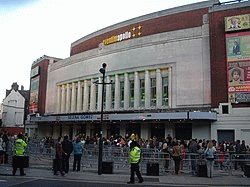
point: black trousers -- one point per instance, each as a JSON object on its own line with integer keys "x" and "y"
{"x": 59, "y": 164}
{"x": 77, "y": 160}
{"x": 135, "y": 169}
{"x": 177, "y": 165}
{"x": 66, "y": 164}
{"x": 18, "y": 163}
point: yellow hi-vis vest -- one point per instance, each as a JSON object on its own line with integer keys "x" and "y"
{"x": 19, "y": 147}
{"x": 135, "y": 155}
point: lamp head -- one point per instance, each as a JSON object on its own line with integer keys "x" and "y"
{"x": 102, "y": 70}
{"x": 104, "y": 65}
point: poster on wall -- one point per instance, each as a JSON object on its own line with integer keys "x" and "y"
{"x": 238, "y": 61}
{"x": 34, "y": 88}
{"x": 238, "y": 22}
{"x": 238, "y": 46}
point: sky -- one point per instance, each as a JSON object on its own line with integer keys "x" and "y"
{"x": 33, "y": 28}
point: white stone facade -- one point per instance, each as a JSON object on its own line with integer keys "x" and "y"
{"x": 182, "y": 56}
{"x": 13, "y": 110}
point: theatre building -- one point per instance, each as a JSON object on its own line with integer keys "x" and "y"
{"x": 169, "y": 72}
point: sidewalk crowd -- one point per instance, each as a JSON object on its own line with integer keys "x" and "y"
{"x": 176, "y": 149}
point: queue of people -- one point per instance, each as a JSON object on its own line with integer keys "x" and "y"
{"x": 173, "y": 149}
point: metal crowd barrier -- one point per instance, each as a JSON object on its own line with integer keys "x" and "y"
{"x": 224, "y": 164}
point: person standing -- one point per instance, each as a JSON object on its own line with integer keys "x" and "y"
{"x": 134, "y": 160}
{"x": 67, "y": 147}
{"x": 2, "y": 150}
{"x": 176, "y": 154}
{"x": 59, "y": 157}
{"x": 26, "y": 138}
{"x": 209, "y": 153}
{"x": 239, "y": 155}
{"x": 78, "y": 150}
{"x": 192, "y": 148}
{"x": 19, "y": 149}
{"x": 165, "y": 150}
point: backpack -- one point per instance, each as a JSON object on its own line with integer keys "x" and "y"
{"x": 209, "y": 154}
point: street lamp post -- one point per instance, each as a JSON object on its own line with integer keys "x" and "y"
{"x": 102, "y": 71}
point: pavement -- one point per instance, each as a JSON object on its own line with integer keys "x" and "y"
{"x": 186, "y": 178}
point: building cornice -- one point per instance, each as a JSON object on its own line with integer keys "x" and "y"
{"x": 151, "y": 16}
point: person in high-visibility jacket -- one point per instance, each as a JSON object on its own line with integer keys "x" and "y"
{"x": 134, "y": 160}
{"x": 19, "y": 149}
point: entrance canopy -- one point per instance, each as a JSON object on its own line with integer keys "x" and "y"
{"x": 129, "y": 116}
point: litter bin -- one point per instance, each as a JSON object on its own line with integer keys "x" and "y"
{"x": 107, "y": 167}
{"x": 247, "y": 170}
{"x": 202, "y": 170}
{"x": 153, "y": 169}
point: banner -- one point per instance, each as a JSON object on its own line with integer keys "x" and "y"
{"x": 34, "y": 88}
{"x": 238, "y": 60}
{"x": 238, "y": 46}
{"x": 239, "y": 22}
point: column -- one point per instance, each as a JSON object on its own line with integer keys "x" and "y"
{"x": 99, "y": 104}
{"x": 126, "y": 91}
{"x": 59, "y": 99}
{"x": 86, "y": 96}
{"x": 92, "y": 95}
{"x": 63, "y": 107}
{"x": 137, "y": 91}
{"x": 73, "y": 98}
{"x": 117, "y": 92}
{"x": 68, "y": 99}
{"x": 79, "y": 96}
{"x": 108, "y": 94}
{"x": 158, "y": 88}
{"x": 147, "y": 90}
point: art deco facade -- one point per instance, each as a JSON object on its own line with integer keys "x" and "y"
{"x": 164, "y": 73}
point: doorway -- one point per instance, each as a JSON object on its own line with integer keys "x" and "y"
{"x": 113, "y": 130}
{"x": 158, "y": 130}
{"x": 225, "y": 135}
{"x": 183, "y": 131}
{"x": 133, "y": 128}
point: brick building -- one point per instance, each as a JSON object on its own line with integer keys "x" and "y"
{"x": 170, "y": 74}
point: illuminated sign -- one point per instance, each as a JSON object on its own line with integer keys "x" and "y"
{"x": 135, "y": 32}
{"x": 239, "y": 22}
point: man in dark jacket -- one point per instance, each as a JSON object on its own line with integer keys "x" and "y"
{"x": 192, "y": 148}
{"x": 59, "y": 157}
{"x": 67, "y": 147}
{"x": 239, "y": 156}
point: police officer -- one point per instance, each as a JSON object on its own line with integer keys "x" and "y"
{"x": 134, "y": 159}
{"x": 19, "y": 149}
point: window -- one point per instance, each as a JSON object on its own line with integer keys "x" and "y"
{"x": 142, "y": 93}
{"x": 76, "y": 96}
{"x": 153, "y": 92}
{"x": 131, "y": 93}
{"x": 82, "y": 96}
{"x": 113, "y": 94}
{"x": 96, "y": 96}
{"x": 122, "y": 94}
{"x": 165, "y": 91}
{"x": 104, "y": 97}
{"x": 225, "y": 109}
{"x": 89, "y": 88}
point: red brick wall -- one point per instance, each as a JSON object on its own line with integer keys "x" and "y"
{"x": 42, "y": 85}
{"x": 12, "y": 130}
{"x": 218, "y": 54}
{"x": 158, "y": 25}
